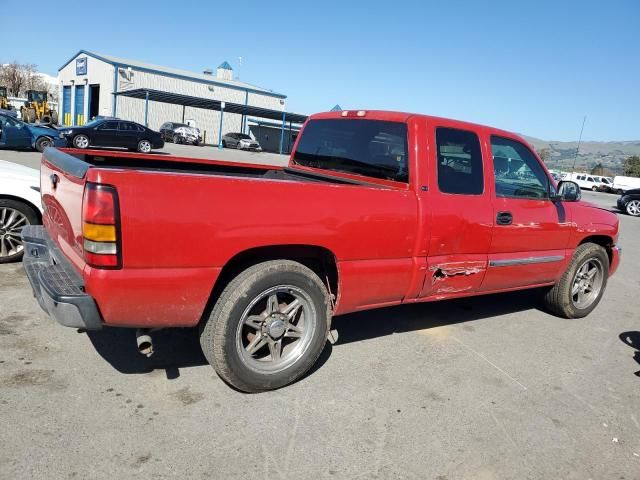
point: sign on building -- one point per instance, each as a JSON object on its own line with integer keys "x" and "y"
{"x": 81, "y": 66}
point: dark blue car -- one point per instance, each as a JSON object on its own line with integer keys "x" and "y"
{"x": 16, "y": 134}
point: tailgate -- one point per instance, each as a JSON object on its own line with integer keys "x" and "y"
{"x": 62, "y": 179}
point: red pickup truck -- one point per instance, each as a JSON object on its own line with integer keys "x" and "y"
{"x": 374, "y": 209}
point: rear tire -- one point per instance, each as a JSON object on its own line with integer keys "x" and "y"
{"x": 11, "y": 248}
{"x": 594, "y": 189}
{"x": 252, "y": 309}
{"x": 144, "y": 146}
{"x": 565, "y": 298}
{"x": 176, "y": 139}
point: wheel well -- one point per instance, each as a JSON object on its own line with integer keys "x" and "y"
{"x": 318, "y": 259}
{"x": 602, "y": 240}
{"x": 26, "y": 202}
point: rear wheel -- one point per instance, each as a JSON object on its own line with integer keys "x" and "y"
{"x": 81, "y": 141}
{"x": 176, "y": 139}
{"x": 42, "y": 143}
{"x": 268, "y": 327}
{"x": 14, "y": 216}
{"x": 144, "y": 146}
{"x": 633, "y": 208}
{"x": 224, "y": 144}
{"x": 583, "y": 283}
{"x": 594, "y": 189}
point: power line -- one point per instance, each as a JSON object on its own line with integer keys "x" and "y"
{"x": 573, "y": 169}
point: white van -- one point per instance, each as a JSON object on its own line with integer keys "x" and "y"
{"x": 622, "y": 184}
{"x": 589, "y": 182}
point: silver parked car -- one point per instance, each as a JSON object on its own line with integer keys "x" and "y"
{"x": 241, "y": 141}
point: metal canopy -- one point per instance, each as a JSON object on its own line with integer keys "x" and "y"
{"x": 210, "y": 104}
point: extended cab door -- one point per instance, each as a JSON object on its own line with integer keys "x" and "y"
{"x": 531, "y": 233}
{"x": 459, "y": 200}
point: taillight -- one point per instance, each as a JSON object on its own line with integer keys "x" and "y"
{"x": 100, "y": 226}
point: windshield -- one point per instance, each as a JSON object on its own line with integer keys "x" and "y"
{"x": 373, "y": 148}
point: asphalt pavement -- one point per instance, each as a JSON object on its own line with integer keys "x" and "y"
{"x": 483, "y": 388}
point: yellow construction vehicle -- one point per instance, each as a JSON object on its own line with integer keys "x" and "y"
{"x": 36, "y": 108}
{"x": 4, "y": 101}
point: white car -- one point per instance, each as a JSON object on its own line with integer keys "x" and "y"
{"x": 589, "y": 182}
{"x": 622, "y": 184}
{"x": 20, "y": 206}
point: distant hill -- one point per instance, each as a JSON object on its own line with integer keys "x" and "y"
{"x": 610, "y": 154}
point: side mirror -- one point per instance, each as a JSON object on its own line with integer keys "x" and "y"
{"x": 568, "y": 191}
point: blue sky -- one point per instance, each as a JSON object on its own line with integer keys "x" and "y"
{"x": 531, "y": 67}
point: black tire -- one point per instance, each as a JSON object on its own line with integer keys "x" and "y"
{"x": 45, "y": 119}
{"x": 176, "y": 139}
{"x": 218, "y": 335}
{"x": 142, "y": 146}
{"x": 631, "y": 208}
{"x": 42, "y": 143}
{"x": 594, "y": 189}
{"x": 54, "y": 117}
{"x": 224, "y": 144}
{"x": 32, "y": 218}
{"x": 79, "y": 143}
{"x": 559, "y": 299}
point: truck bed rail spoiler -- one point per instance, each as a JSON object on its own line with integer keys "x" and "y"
{"x": 65, "y": 162}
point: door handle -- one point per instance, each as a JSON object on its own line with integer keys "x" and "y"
{"x": 504, "y": 218}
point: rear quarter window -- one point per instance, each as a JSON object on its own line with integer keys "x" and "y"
{"x": 372, "y": 148}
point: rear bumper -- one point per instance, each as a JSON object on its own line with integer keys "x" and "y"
{"x": 56, "y": 285}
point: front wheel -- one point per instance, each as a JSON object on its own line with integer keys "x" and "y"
{"x": 633, "y": 208}
{"x": 268, "y": 327}
{"x": 582, "y": 285}
{"x": 144, "y": 146}
{"x": 81, "y": 141}
{"x": 42, "y": 143}
{"x": 594, "y": 189}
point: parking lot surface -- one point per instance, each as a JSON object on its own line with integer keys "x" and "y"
{"x": 483, "y": 388}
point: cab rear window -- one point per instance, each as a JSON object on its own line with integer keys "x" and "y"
{"x": 372, "y": 148}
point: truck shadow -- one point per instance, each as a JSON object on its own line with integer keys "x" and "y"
{"x": 633, "y": 340}
{"x": 177, "y": 348}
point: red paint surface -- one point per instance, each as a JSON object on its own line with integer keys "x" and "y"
{"x": 393, "y": 242}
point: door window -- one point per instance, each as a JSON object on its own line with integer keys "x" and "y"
{"x": 459, "y": 162}
{"x": 108, "y": 126}
{"x": 128, "y": 127}
{"x": 518, "y": 174}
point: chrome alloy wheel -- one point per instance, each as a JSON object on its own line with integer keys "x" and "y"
{"x": 633, "y": 208}
{"x": 81, "y": 141}
{"x": 587, "y": 283}
{"x": 276, "y": 329}
{"x": 11, "y": 223}
{"x": 144, "y": 146}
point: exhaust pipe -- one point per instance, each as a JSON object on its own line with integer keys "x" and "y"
{"x": 144, "y": 341}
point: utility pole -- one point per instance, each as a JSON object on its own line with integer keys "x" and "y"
{"x": 573, "y": 169}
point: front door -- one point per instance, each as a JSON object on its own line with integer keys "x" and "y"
{"x": 531, "y": 233}
{"x": 459, "y": 200}
{"x": 14, "y": 134}
{"x": 105, "y": 134}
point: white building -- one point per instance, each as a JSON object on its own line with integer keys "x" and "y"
{"x": 88, "y": 81}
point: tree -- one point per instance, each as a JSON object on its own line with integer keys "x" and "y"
{"x": 632, "y": 166}
{"x": 598, "y": 170}
{"x": 544, "y": 154}
{"x": 18, "y": 78}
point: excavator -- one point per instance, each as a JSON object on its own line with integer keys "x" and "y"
{"x": 4, "y": 100}
{"x": 36, "y": 108}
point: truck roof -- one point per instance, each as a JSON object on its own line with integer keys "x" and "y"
{"x": 393, "y": 116}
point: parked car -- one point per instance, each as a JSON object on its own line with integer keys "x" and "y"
{"x": 180, "y": 133}
{"x": 629, "y": 202}
{"x": 622, "y": 184}
{"x": 260, "y": 258}
{"x": 16, "y": 134}
{"x": 20, "y": 206}
{"x": 241, "y": 141}
{"x": 113, "y": 133}
{"x": 588, "y": 182}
